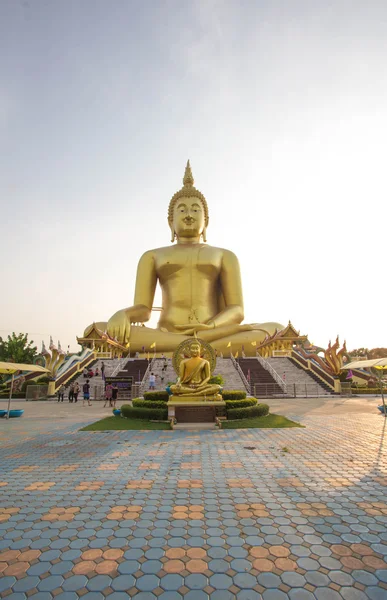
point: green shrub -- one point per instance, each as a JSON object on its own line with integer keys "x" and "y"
{"x": 241, "y": 403}
{"x": 217, "y": 379}
{"x": 161, "y": 396}
{"x": 149, "y": 414}
{"x": 233, "y": 395}
{"x": 260, "y": 410}
{"x": 365, "y": 390}
{"x": 14, "y": 395}
{"x": 43, "y": 379}
{"x": 140, "y": 403}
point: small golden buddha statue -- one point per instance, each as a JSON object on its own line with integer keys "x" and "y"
{"x": 201, "y": 288}
{"x": 194, "y": 375}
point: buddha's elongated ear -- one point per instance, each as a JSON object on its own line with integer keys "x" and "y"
{"x": 204, "y": 234}
{"x": 173, "y": 233}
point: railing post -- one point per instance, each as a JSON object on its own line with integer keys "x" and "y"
{"x": 295, "y": 393}
{"x": 306, "y": 391}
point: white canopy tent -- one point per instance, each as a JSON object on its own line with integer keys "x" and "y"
{"x": 374, "y": 363}
{"x": 12, "y": 368}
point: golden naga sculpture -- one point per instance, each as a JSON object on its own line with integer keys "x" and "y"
{"x": 201, "y": 287}
{"x": 333, "y": 360}
{"x": 194, "y": 375}
{"x": 54, "y": 360}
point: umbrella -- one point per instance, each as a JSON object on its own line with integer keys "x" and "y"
{"x": 376, "y": 363}
{"x": 11, "y": 368}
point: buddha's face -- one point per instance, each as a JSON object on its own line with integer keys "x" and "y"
{"x": 188, "y": 217}
{"x": 195, "y": 350}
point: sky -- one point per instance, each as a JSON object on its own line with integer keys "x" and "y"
{"x": 280, "y": 107}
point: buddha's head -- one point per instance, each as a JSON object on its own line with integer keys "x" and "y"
{"x": 188, "y": 210}
{"x": 194, "y": 349}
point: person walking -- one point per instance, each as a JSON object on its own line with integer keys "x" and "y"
{"x": 86, "y": 393}
{"x": 71, "y": 392}
{"x": 61, "y": 393}
{"x": 114, "y": 394}
{"x": 77, "y": 389}
{"x": 108, "y": 394}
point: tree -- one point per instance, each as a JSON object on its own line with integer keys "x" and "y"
{"x": 17, "y": 349}
{"x": 378, "y": 353}
{"x": 366, "y": 353}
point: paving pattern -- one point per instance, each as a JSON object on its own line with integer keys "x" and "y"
{"x": 245, "y": 514}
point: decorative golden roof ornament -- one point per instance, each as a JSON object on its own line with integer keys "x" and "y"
{"x": 187, "y": 191}
{"x": 188, "y": 179}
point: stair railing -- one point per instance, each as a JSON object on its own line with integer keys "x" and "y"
{"x": 146, "y": 374}
{"x": 266, "y": 365}
{"x": 118, "y": 368}
{"x": 241, "y": 373}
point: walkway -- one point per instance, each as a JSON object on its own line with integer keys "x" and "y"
{"x": 297, "y": 514}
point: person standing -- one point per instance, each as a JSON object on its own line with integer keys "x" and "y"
{"x": 114, "y": 394}
{"x": 61, "y": 393}
{"x": 77, "y": 389}
{"x": 86, "y": 393}
{"x": 71, "y": 392}
{"x": 103, "y": 370}
{"x": 108, "y": 394}
{"x": 152, "y": 381}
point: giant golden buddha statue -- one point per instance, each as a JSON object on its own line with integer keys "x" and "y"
{"x": 201, "y": 288}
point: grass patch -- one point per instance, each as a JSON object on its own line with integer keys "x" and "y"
{"x": 268, "y": 422}
{"x": 120, "y": 424}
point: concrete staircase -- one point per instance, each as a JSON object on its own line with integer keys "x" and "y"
{"x": 224, "y": 367}
{"x": 232, "y": 379}
{"x": 291, "y": 374}
{"x": 110, "y": 365}
{"x": 162, "y": 377}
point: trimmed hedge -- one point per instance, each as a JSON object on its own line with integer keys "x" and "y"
{"x": 15, "y": 395}
{"x": 161, "y": 396}
{"x": 260, "y": 410}
{"x": 140, "y": 403}
{"x": 217, "y": 379}
{"x": 233, "y": 395}
{"x": 365, "y": 390}
{"x": 241, "y": 403}
{"x": 149, "y": 414}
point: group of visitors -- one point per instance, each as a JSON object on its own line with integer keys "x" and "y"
{"x": 111, "y": 395}
{"x": 89, "y": 372}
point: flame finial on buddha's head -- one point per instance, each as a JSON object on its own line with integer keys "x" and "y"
{"x": 187, "y": 191}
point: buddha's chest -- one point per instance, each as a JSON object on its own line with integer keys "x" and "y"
{"x": 182, "y": 261}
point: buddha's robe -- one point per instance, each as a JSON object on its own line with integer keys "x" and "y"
{"x": 193, "y": 380}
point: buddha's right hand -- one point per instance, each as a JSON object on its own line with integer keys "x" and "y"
{"x": 118, "y": 326}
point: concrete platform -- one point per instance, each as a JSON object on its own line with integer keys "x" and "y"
{"x": 281, "y": 514}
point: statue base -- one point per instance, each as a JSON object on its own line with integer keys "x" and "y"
{"x": 194, "y": 409}
{"x": 194, "y": 399}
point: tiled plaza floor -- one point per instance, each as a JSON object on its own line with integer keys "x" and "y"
{"x": 248, "y": 514}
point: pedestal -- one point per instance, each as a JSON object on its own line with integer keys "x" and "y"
{"x": 194, "y": 409}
